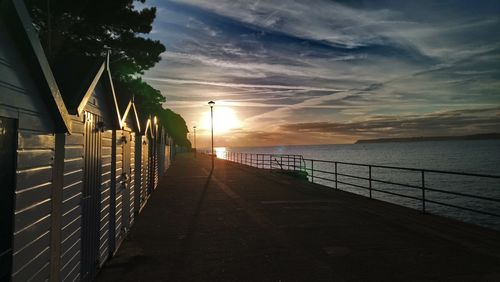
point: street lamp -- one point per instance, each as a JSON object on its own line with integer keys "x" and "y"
{"x": 211, "y": 104}
{"x": 194, "y": 129}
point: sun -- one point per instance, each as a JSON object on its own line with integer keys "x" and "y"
{"x": 225, "y": 119}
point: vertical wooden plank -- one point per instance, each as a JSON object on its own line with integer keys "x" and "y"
{"x": 57, "y": 192}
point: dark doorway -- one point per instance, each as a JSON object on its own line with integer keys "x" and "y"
{"x": 8, "y": 146}
{"x": 91, "y": 196}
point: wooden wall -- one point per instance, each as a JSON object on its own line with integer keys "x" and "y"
{"x": 145, "y": 171}
{"x": 106, "y": 182}
{"x": 131, "y": 189}
{"x": 118, "y": 195}
{"x": 71, "y": 208}
{"x": 138, "y": 173}
{"x": 20, "y": 99}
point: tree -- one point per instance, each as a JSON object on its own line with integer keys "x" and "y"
{"x": 149, "y": 101}
{"x": 83, "y": 28}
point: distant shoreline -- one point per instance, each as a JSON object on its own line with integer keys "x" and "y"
{"x": 485, "y": 136}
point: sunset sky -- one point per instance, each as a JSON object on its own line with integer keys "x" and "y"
{"x": 324, "y": 72}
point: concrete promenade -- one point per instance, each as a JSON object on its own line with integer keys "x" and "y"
{"x": 245, "y": 224}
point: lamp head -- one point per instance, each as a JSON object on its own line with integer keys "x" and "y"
{"x": 211, "y": 103}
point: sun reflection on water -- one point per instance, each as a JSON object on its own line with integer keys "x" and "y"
{"x": 220, "y": 152}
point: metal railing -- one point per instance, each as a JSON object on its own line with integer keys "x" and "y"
{"x": 385, "y": 180}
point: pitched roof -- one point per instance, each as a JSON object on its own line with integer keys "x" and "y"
{"x": 130, "y": 109}
{"x": 79, "y": 77}
{"x": 76, "y": 76}
{"x": 21, "y": 25}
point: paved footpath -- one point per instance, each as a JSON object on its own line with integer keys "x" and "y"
{"x": 244, "y": 224}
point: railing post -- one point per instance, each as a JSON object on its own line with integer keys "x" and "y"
{"x": 336, "y": 183}
{"x": 423, "y": 191}
{"x": 312, "y": 171}
{"x": 370, "y": 180}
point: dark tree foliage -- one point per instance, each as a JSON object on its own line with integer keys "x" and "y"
{"x": 84, "y": 28}
{"x": 149, "y": 101}
{"x": 176, "y": 126}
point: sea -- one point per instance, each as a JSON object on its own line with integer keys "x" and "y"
{"x": 468, "y": 156}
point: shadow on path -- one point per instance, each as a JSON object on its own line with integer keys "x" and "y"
{"x": 187, "y": 242}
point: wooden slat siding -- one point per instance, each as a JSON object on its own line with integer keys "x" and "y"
{"x": 33, "y": 206}
{"x": 97, "y": 103}
{"x": 119, "y": 190}
{"x": 42, "y": 274}
{"x": 161, "y": 155}
{"x": 167, "y": 157}
{"x": 17, "y": 89}
{"x": 132, "y": 178}
{"x": 145, "y": 171}
{"x": 106, "y": 158}
{"x": 72, "y": 196}
{"x": 156, "y": 164}
{"x": 137, "y": 172}
{"x": 20, "y": 98}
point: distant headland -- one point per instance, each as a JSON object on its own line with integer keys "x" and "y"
{"x": 483, "y": 136}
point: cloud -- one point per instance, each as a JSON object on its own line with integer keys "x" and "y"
{"x": 308, "y": 63}
{"x": 465, "y": 121}
{"x": 236, "y": 85}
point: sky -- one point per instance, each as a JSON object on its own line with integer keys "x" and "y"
{"x": 328, "y": 72}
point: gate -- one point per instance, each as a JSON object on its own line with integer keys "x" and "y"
{"x": 8, "y": 146}
{"x": 91, "y": 196}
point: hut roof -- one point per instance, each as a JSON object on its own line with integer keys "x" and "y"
{"x": 79, "y": 77}
{"x": 75, "y": 75}
{"x": 21, "y": 25}
{"x": 131, "y": 110}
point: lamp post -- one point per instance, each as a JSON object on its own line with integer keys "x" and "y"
{"x": 194, "y": 132}
{"x": 211, "y": 104}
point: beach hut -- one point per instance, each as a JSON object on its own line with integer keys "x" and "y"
{"x": 138, "y": 187}
{"x": 164, "y": 148}
{"x": 146, "y": 150}
{"x": 33, "y": 120}
{"x": 131, "y": 132}
{"x": 91, "y": 225}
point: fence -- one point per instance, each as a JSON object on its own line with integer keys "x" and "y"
{"x": 445, "y": 191}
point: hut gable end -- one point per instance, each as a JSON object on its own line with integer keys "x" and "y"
{"x": 18, "y": 24}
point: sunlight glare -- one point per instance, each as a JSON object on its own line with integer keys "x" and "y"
{"x": 225, "y": 119}
{"x": 220, "y": 152}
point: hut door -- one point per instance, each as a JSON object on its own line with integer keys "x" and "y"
{"x": 91, "y": 196}
{"x": 126, "y": 177}
{"x": 8, "y": 145}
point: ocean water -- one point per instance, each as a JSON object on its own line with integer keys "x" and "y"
{"x": 471, "y": 156}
